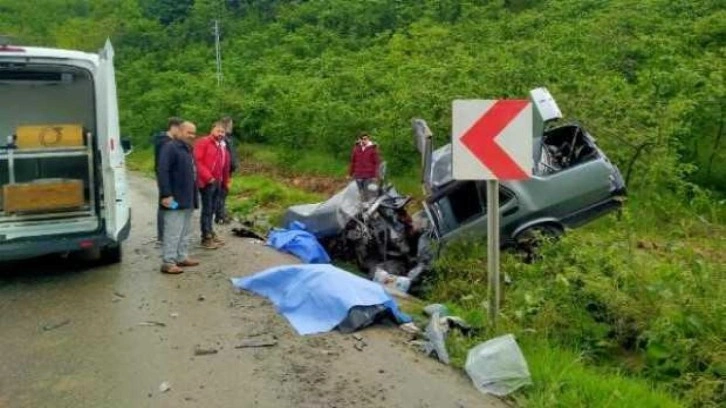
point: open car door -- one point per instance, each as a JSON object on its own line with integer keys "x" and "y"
{"x": 113, "y": 173}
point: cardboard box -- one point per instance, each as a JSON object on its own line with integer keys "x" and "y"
{"x": 49, "y": 136}
{"x": 43, "y": 195}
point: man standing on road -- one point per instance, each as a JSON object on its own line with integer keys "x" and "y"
{"x": 213, "y": 163}
{"x": 221, "y": 216}
{"x": 171, "y": 133}
{"x": 364, "y": 163}
{"x": 176, "y": 176}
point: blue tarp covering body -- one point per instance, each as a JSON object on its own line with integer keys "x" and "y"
{"x": 316, "y": 298}
{"x": 299, "y": 242}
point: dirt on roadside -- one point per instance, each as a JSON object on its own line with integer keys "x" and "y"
{"x": 127, "y": 335}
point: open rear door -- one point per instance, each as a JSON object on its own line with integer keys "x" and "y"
{"x": 116, "y": 204}
{"x": 422, "y": 137}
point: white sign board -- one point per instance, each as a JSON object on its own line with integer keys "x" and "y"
{"x": 492, "y": 140}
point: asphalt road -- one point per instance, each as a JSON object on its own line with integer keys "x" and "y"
{"x": 76, "y": 336}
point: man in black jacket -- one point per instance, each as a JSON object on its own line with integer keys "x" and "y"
{"x": 176, "y": 176}
{"x": 173, "y": 130}
{"x": 221, "y": 216}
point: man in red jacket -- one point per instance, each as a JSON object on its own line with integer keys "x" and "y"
{"x": 364, "y": 163}
{"x": 213, "y": 175}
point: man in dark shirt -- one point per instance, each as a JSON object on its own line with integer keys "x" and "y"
{"x": 173, "y": 130}
{"x": 176, "y": 177}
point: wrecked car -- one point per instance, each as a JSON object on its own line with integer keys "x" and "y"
{"x": 573, "y": 183}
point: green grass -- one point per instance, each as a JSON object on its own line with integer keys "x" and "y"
{"x": 638, "y": 300}
{"x": 310, "y": 162}
{"x": 562, "y": 379}
{"x": 258, "y": 194}
{"x": 141, "y": 161}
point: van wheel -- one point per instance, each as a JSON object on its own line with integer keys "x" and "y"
{"x": 111, "y": 255}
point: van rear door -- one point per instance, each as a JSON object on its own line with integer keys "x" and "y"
{"x": 116, "y": 203}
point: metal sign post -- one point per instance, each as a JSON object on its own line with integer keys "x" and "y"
{"x": 493, "y": 249}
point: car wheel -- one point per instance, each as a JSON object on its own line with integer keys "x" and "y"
{"x": 529, "y": 241}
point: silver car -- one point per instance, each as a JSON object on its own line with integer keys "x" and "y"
{"x": 573, "y": 183}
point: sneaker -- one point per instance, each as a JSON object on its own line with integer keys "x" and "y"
{"x": 208, "y": 243}
{"x": 171, "y": 269}
{"x": 188, "y": 262}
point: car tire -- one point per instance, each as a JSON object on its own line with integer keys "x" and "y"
{"x": 529, "y": 241}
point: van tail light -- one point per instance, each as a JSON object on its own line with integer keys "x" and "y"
{"x": 86, "y": 244}
{"x": 7, "y": 48}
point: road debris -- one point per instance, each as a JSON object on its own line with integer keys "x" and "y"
{"x": 410, "y": 328}
{"x": 165, "y": 386}
{"x": 201, "y": 298}
{"x": 264, "y": 341}
{"x": 497, "y": 366}
{"x": 152, "y": 323}
{"x": 174, "y": 315}
{"x": 244, "y": 232}
{"x": 436, "y": 330}
{"x": 53, "y": 326}
{"x": 200, "y": 351}
{"x": 119, "y": 294}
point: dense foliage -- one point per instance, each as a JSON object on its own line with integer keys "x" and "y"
{"x": 646, "y": 77}
{"x": 641, "y": 75}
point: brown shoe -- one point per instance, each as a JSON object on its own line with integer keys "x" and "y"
{"x": 217, "y": 240}
{"x": 208, "y": 243}
{"x": 171, "y": 269}
{"x": 188, "y": 262}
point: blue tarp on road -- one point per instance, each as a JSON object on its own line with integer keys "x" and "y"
{"x": 299, "y": 242}
{"x": 316, "y": 298}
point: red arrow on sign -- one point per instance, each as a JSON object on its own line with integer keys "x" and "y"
{"x": 481, "y": 139}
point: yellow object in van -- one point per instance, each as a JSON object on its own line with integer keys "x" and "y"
{"x": 49, "y": 136}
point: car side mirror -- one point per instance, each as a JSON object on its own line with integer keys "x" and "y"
{"x": 126, "y": 145}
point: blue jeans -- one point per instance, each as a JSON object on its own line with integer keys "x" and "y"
{"x": 221, "y": 212}
{"x": 210, "y": 200}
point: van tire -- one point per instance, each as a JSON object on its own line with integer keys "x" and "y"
{"x": 111, "y": 254}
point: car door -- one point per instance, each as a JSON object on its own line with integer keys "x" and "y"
{"x": 460, "y": 210}
{"x": 115, "y": 198}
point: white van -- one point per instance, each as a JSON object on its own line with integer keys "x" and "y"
{"x": 62, "y": 164}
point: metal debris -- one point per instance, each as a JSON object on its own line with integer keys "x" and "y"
{"x": 53, "y": 326}
{"x": 256, "y": 343}
{"x": 152, "y": 323}
{"x": 199, "y": 351}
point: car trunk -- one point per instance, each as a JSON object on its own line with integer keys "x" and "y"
{"x": 48, "y": 168}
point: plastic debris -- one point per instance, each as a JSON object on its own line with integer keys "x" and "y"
{"x": 436, "y": 335}
{"x": 498, "y": 366}
{"x": 165, "y": 386}
{"x": 410, "y": 328}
